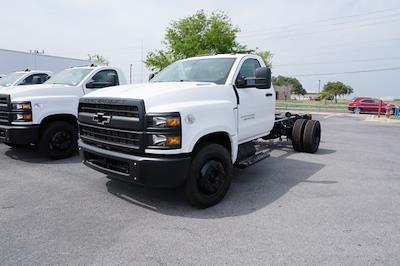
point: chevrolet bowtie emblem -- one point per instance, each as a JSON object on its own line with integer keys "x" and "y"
{"x": 101, "y": 119}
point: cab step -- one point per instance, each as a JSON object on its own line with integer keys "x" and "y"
{"x": 252, "y": 159}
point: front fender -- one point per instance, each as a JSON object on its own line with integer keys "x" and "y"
{"x": 53, "y": 105}
{"x": 201, "y": 118}
{"x": 217, "y": 129}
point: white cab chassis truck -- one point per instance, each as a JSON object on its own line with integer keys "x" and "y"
{"x": 189, "y": 126}
{"x": 46, "y": 114}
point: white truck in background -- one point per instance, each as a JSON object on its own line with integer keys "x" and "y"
{"x": 190, "y": 125}
{"x": 46, "y": 115}
{"x": 27, "y": 77}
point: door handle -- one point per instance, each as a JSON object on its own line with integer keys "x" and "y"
{"x": 268, "y": 94}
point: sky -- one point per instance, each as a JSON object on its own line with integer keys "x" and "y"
{"x": 309, "y": 39}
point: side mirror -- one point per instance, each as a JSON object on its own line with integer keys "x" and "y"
{"x": 241, "y": 82}
{"x": 90, "y": 85}
{"x": 263, "y": 78}
{"x": 97, "y": 84}
{"x": 36, "y": 80}
{"x": 151, "y": 76}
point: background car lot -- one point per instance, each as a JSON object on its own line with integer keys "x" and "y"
{"x": 339, "y": 206}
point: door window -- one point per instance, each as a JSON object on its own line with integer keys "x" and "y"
{"x": 105, "y": 78}
{"x": 248, "y": 70}
{"x": 368, "y": 101}
{"x": 29, "y": 80}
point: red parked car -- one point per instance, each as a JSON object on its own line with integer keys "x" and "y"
{"x": 370, "y": 105}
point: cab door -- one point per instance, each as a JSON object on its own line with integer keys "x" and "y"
{"x": 256, "y": 109}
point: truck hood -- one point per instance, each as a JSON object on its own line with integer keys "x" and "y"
{"x": 30, "y": 91}
{"x": 165, "y": 93}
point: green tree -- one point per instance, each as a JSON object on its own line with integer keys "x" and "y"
{"x": 266, "y": 56}
{"x": 98, "y": 58}
{"x": 196, "y": 35}
{"x": 336, "y": 89}
{"x": 293, "y": 84}
{"x": 325, "y": 95}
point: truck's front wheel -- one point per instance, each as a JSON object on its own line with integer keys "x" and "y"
{"x": 59, "y": 140}
{"x": 210, "y": 176}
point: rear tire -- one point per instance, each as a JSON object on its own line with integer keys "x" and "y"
{"x": 210, "y": 176}
{"x": 297, "y": 134}
{"x": 59, "y": 140}
{"x": 312, "y": 136}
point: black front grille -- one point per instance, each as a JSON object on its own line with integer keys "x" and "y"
{"x": 120, "y": 131}
{"x": 112, "y": 110}
{"x": 110, "y": 138}
{"x": 3, "y": 100}
{"x": 4, "y": 109}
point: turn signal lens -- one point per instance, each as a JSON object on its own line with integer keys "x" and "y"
{"x": 26, "y": 106}
{"x": 174, "y": 140}
{"x": 22, "y": 106}
{"x": 24, "y": 117}
{"x": 173, "y": 121}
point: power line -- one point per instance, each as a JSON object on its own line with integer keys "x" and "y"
{"x": 339, "y": 62}
{"x": 346, "y": 72}
{"x": 348, "y": 44}
{"x": 329, "y": 19}
{"x": 328, "y": 30}
{"x": 376, "y": 19}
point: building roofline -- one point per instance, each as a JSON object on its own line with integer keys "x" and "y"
{"x": 53, "y": 56}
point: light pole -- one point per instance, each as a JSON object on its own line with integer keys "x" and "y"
{"x": 319, "y": 86}
{"x": 130, "y": 74}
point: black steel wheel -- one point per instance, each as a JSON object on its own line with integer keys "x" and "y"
{"x": 59, "y": 140}
{"x": 312, "y": 136}
{"x": 297, "y": 134}
{"x": 210, "y": 176}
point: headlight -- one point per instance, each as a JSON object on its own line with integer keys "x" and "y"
{"x": 27, "y": 117}
{"x": 167, "y": 121}
{"x": 164, "y": 131}
{"x": 165, "y": 140}
{"x": 21, "y": 106}
{"x": 21, "y": 111}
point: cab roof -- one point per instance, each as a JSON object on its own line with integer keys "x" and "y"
{"x": 27, "y": 71}
{"x": 236, "y": 56}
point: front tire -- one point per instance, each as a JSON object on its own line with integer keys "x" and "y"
{"x": 59, "y": 140}
{"x": 210, "y": 176}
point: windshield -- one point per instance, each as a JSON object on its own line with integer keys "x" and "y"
{"x": 10, "y": 79}
{"x": 70, "y": 76}
{"x": 203, "y": 70}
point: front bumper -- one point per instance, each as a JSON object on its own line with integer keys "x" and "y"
{"x": 153, "y": 171}
{"x": 20, "y": 135}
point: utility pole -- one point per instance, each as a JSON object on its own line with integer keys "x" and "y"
{"x": 130, "y": 74}
{"x": 141, "y": 63}
{"x": 319, "y": 86}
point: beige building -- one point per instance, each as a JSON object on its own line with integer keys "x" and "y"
{"x": 309, "y": 96}
{"x": 283, "y": 92}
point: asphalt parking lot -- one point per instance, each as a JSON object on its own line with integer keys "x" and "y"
{"x": 339, "y": 206}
